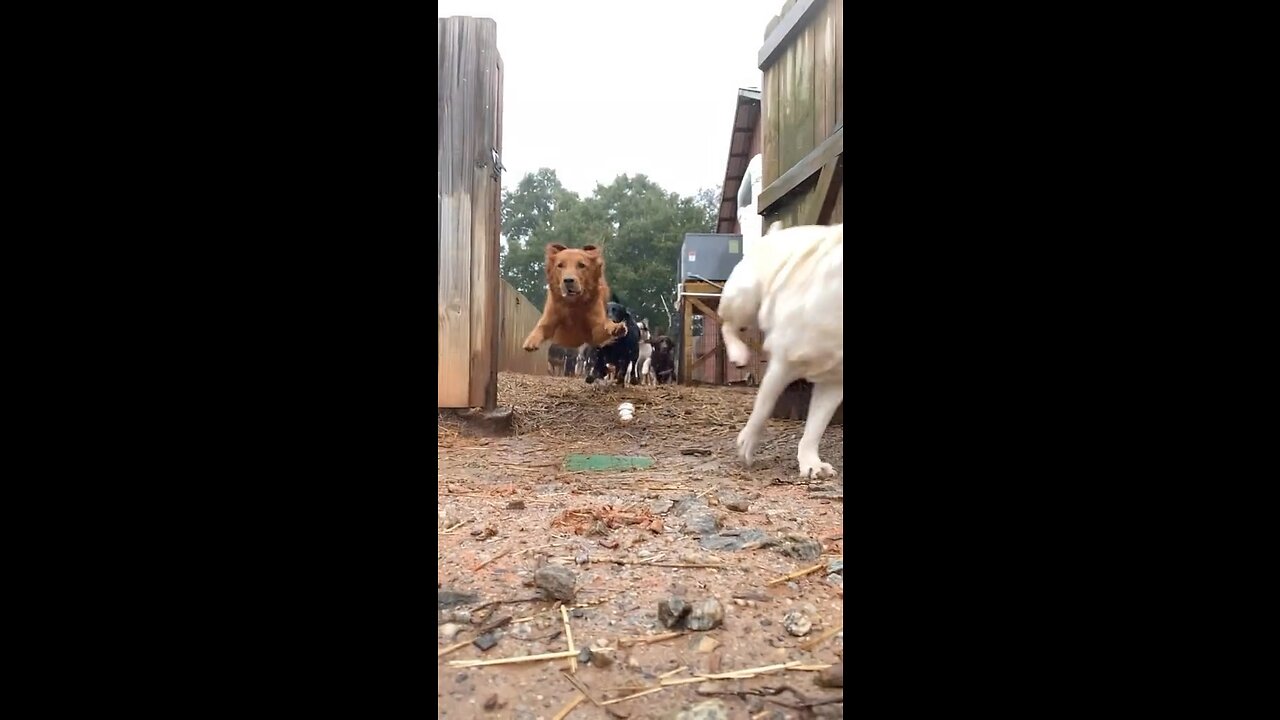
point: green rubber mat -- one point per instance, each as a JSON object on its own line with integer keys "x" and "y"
{"x": 575, "y": 463}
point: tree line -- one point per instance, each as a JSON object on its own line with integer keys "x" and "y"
{"x": 639, "y": 225}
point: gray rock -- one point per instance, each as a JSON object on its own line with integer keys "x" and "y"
{"x": 796, "y": 623}
{"x": 461, "y": 615}
{"x": 449, "y": 598}
{"x": 705, "y": 615}
{"x": 584, "y": 655}
{"x": 733, "y": 501}
{"x": 699, "y": 520}
{"x": 658, "y": 507}
{"x": 449, "y": 631}
{"x": 797, "y": 546}
{"x": 485, "y": 641}
{"x": 557, "y": 581}
{"x": 733, "y": 540}
{"x": 672, "y": 611}
{"x": 705, "y": 710}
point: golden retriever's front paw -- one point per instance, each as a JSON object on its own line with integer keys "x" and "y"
{"x": 533, "y": 342}
{"x": 616, "y": 329}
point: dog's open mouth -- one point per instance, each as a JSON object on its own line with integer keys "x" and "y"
{"x": 570, "y": 292}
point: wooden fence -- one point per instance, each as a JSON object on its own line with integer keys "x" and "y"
{"x": 468, "y": 196}
{"x": 518, "y": 316}
{"x": 802, "y": 112}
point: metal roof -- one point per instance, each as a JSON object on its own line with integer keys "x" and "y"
{"x": 745, "y": 118}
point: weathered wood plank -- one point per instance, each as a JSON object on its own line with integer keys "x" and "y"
{"x": 454, "y": 300}
{"x": 517, "y": 318}
{"x": 800, "y": 140}
{"x": 794, "y": 17}
{"x": 787, "y": 93}
{"x": 684, "y": 372}
{"x": 771, "y": 117}
{"x": 484, "y": 234}
{"x": 803, "y": 170}
{"x": 824, "y": 72}
{"x": 822, "y": 200}
{"x": 838, "y": 15}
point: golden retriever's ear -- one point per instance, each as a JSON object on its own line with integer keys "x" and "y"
{"x": 591, "y": 249}
{"x": 553, "y": 248}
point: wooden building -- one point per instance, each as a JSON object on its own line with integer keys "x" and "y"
{"x": 802, "y": 119}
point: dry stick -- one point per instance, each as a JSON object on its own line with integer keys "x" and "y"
{"x": 649, "y": 639}
{"x": 495, "y": 557}
{"x": 453, "y": 647}
{"x": 581, "y": 688}
{"x": 794, "y": 575}
{"x": 677, "y": 671}
{"x": 564, "y": 711}
{"x": 734, "y": 675}
{"x": 505, "y": 661}
{"x": 568, "y": 634}
{"x": 811, "y": 644}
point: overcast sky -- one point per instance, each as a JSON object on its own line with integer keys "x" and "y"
{"x": 598, "y": 88}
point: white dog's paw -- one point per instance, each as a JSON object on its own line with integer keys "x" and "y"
{"x": 815, "y": 468}
{"x": 747, "y": 442}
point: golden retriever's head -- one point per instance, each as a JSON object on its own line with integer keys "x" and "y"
{"x": 572, "y": 273}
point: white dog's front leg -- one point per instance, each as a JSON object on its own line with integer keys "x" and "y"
{"x": 822, "y": 405}
{"x": 775, "y": 381}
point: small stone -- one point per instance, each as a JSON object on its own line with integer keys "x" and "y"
{"x": 705, "y": 615}
{"x": 459, "y": 616}
{"x": 584, "y": 655}
{"x": 705, "y": 710}
{"x": 797, "y": 546}
{"x": 831, "y": 677}
{"x": 485, "y": 641}
{"x": 449, "y": 631}
{"x": 796, "y": 623}
{"x": 699, "y": 520}
{"x": 515, "y": 505}
{"x": 557, "y": 581}
{"x": 733, "y": 501}
{"x": 672, "y": 610}
{"x": 601, "y": 643}
{"x": 707, "y": 644}
{"x": 492, "y": 703}
{"x": 601, "y": 659}
{"x": 739, "y": 602}
{"x": 659, "y": 507}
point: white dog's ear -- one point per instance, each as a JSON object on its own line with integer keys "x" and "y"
{"x": 774, "y": 226}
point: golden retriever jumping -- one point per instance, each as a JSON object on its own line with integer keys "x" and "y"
{"x": 576, "y": 297}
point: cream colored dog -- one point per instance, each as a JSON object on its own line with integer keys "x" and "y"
{"x": 791, "y": 286}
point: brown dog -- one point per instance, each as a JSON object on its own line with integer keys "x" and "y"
{"x": 576, "y": 296}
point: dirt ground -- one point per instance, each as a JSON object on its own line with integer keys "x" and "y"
{"x": 515, "y": 529}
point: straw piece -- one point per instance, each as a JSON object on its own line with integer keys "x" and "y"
{"x": 506, "y": 661}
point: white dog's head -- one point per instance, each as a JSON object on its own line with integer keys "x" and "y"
{"x": 739, "y": 311}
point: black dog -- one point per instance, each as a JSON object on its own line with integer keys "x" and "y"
{"x": 664, "y": 363}
{"x": 621, "y": 353}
